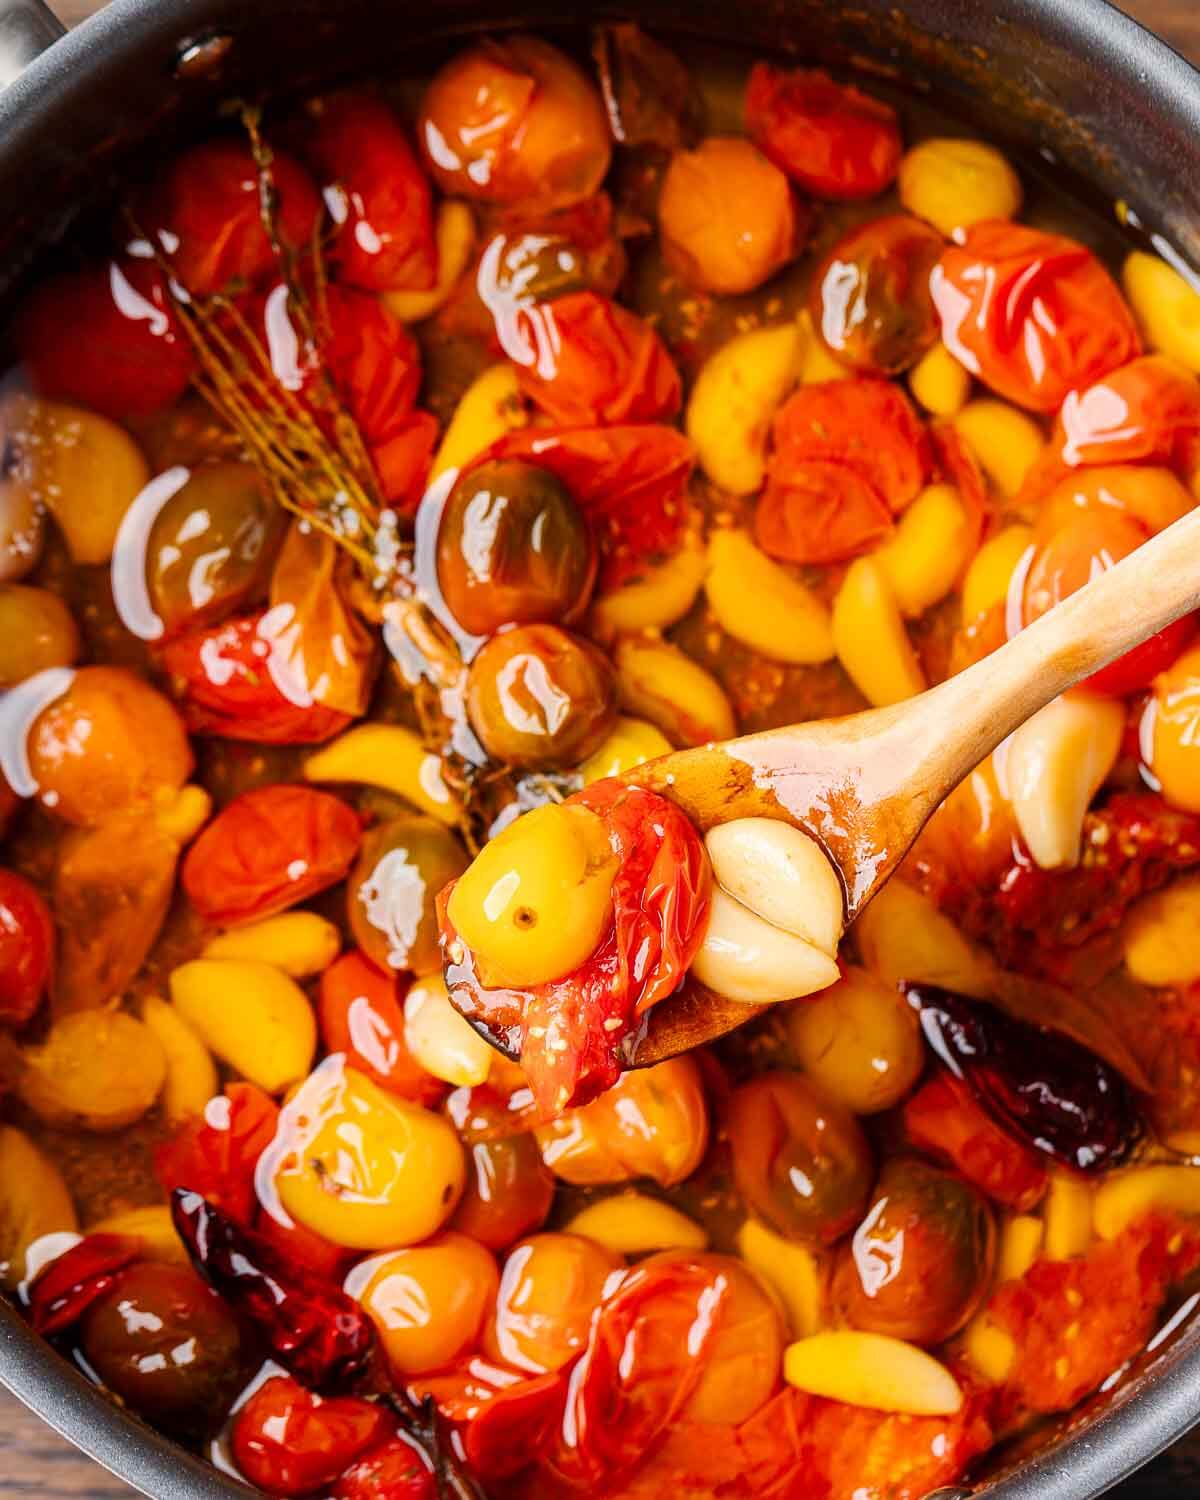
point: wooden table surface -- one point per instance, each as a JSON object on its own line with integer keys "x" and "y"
{"x": 36, "y": 1462}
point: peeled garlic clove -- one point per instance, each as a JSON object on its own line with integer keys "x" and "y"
{"x": 440, "y": 1040}
{"x": 873, "y": 1370}
{"x": 751, "y": 960}
{"x": 1052, "y": 768}
{"x": 782, "y": 875}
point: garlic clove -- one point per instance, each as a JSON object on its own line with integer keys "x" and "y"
{"x": 748, "y": 959}
{"x": 781, "y": 874}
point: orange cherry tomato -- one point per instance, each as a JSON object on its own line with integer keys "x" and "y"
{"x": 107, "y": 338}
{"x": 870, "y": 298}
{"x": 550, "y": 1287}
{"x": 1033, "y": 315}
{"x": 362, "y": 1014}
{"x": 223, "y": 680}
{"x": 289, "y": 1441}
{"x": 509, "y": 1190}
{"x": 599, "y": 362}
{"x": 26, "y": 948}
{"x": 1148, "y": 411}
{"x": 267, "y": 850}
{"x": 109, "y": 743}
{"x": 727, "y": 217}
{"x": 943, "y": 1119}
{"x": 830, "y": 138}
{"x": 847, "y": 456}
{"x": 216, "y": 1153}
{"x": 515, "y": 121}
{"x": 205, "y": 212}
{"x": 360, "y": 152}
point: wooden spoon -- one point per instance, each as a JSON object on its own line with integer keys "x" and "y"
{"x": 865, "y": 785}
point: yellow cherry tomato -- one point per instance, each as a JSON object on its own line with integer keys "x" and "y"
{"x": 361, "y": 1167}
{"x": 430, "y": 1301}
{"x": 859, "y": 1042}
{"x": 1173, "y": 721}
{"x": 536, "y": 900}
{"x": 632, "y": 743}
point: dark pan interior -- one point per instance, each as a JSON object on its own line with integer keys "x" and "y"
{"x": 1073, "y": 81}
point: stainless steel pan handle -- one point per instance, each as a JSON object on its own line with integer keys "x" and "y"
{"x": 27, "y": 27}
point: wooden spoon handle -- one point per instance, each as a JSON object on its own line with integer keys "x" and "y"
{"x": 968, "y": 715}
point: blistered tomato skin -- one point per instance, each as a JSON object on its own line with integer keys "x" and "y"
{"x": 26, "y": 948}
{"x": 106, "y": 337}
{"x": 167, "y": 1346}
{"x": 288, "y": 1441}
{"x": 831, "y": 139}
{"x": 515, "y": 122}
{"x": 1033, "y": 315}
{"x": 358, "y": 149}
{"x": 267, "y": 850}
{"x": 920, "y": 1262}
{"x": 513, "y": 548}
{"x": 205, "y": 214}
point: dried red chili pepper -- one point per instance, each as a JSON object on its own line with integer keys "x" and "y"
{"x": 81, "y": 1275}
{"x": 1046, "y": 1089}
{"x": 312, "y": 1328}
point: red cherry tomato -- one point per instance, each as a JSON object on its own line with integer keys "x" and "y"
{"x": 362, "y": 1015}
{"x": 26, "y": 948}
{"x": 216, "y": 1153}
{"x": 660, "y": 899}
{"x": 1033, "y": 315}
{"x": 402, "y": 461}
{"x": 267, "y": 850}
{"x": 206, "y": 214}
{"x": 1090, "y": 544}
{"x": 847, "y": 456}
{"x": 503, "y": 1419}
{"x": 396, "y": 1470}
{"x": 288, "y": 1441}
{"x": 107, "y": 338}
{"x": 300, "y": 1246}
{"x": 630, "y": 481}
{"x": 598, "y": 362}
{"x": 870, "y": 296}
{"x": 373, "y": 360}
{"x": 832, "y": 139}
{"x": 222, "y": 679}
{"x": 385, "y": 239}
{"x": 943, "y": 1119}
{"x": 1148, "y": 411}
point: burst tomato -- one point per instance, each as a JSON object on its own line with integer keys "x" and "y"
{"x": 267, "y": 850}
{"x": 360, "y": 152}
{"x": 26, "y": 948}
{"x": 503, "y": 1419}
{"x": 362, "y": 1015}
{"x": 1033, "y": 315}
{"x": 942, "y": 1119}
{"x": 206, "y": 213}
{"x": 847, "y": 456}
{"x": 222, "y": 678}
{"x": 288, "y": 1441}
{"x": 216, "y": 1153}
{"x": 599, "y": 362}
{"x": 870, "y": 297}
{"x": 830, "y": 138}
{"x": 106, "y": 337}
{"x": 630, "y": 481}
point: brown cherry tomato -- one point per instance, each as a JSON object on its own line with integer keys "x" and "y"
{"x": 267, "y": 850}
{"x": 653, "y": 1122}
{"x": 515, "y": 122}
{"x": 26, "y": 948}
{"x": 920, "y": 1262}
{"x": 871, "y": 299}
{"x": 539, "y": 697}
{"x": 205, "y": 213}
{"x": 362, "y": 1015}
{"x": 801, "y": 1161}
{"x": 550, "y": 1287}
{"x": 727, "y": 217}
{"x": 108, "y": 744}
{"x": 211, "y": 545}
{"x": 1033, "y": 315}
{"x": 597, "y": 362}
{"x": 508, "y": 1193}
{"x": 167, "y": 1346}
{"x": 830, "y": 138}
{"x": 361, "y": 154}
{"x": 106, "y": 337}
{"x": 289, "y": 1441}
{"x": 513, "y": 548}
{"x": 401, "y": 867}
